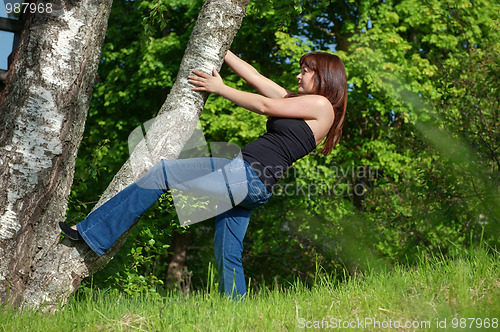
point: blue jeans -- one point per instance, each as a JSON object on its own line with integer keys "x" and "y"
{"x": 107, "y": 223}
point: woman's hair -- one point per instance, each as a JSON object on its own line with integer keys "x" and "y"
{"x": 330, "y": 81}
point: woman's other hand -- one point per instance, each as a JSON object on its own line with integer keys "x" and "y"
{"x": 205, "y": 82}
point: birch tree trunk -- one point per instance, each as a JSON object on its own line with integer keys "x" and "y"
{"x": 42, "y": 115}
{"x": 37, "y": 163}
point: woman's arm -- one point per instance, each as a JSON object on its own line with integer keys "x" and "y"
{"x": 247, "y": 72}
{"x": 305, "y": 107}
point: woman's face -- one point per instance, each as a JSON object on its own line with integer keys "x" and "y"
{"x": 306, "y": 81}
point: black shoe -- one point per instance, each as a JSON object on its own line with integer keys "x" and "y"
{"x": 70, "y": 232}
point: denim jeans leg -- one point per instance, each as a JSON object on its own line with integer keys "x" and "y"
{"x": 107, "y": 223}
{"x": 230, "y": 229}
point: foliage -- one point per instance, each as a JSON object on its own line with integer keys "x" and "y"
{"x": 438, "y": 183}
{"x": 417, "y": 167}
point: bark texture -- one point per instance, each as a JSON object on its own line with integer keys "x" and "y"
{"x": 42, "y": 114}
{"x": 43, "y": 110}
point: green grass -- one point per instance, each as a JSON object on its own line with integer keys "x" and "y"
{"x": 466, "y": 287}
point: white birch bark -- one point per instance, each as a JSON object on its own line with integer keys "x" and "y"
{"x": 42, "y": 114}
{"x": 37, "y": 269}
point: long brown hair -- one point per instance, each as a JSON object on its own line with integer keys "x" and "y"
{"x": 330, "y": 81}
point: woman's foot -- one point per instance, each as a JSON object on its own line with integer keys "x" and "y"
{"x": 70, "y": 232}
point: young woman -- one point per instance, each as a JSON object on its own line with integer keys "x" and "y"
{"x": 297, "y": 123}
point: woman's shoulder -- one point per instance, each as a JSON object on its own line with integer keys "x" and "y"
{"x": 315, "y": 101}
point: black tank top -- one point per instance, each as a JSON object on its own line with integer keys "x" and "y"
{"x": 286, "y": 141}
